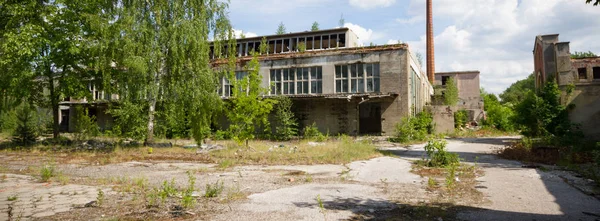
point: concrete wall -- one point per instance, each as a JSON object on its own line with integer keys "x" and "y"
{"x": 443, "y": 118}
{"x": 468, "y": 87}
{"x": 338, "y": 112}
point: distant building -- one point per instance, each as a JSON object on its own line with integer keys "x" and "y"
{"x": 552, "y": 61}
{"x": 469, "y": 95}
{"x": 339, "y": 86}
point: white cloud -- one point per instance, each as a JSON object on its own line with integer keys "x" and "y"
{"x": 392, "y": 41}
{"x": 369, "y": 4}
{"x": 496, "y": 37}
{"x": 238, "y": 34}
{"x": 365, "y": 36}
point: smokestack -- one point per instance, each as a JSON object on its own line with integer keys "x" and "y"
{"x": 430, "y": 49}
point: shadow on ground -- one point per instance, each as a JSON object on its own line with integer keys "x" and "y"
{"x": 574, "y": 205}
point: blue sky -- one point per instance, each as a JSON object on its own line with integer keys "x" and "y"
{"x": 492, "y": 36}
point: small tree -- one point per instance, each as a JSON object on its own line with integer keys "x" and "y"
{"x": 342, "y": 21}
{"x": 315, "y": 26}
{"x": 280, "y": 29}
{"x": 248, "y": 108}
{"x": 286, "y": 125}
{"x": 24, "y": 134}
{"x": 85, "y": 125}
{"x": 451, "y": 93}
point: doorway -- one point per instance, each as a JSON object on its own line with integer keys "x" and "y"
{"x": 370, "y": 119}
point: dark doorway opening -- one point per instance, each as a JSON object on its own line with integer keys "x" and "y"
{"x": 370, "y": 118}
{"x": 64, "y": 123}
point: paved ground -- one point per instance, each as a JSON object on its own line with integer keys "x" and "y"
{"x": 23, "y": 197}
{"x": 322, "y": 192}
{"x": 516, "y": 193}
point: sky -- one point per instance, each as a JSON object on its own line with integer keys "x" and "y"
{"x": 495, "y": 37}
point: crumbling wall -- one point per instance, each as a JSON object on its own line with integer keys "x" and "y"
{"x": 586, "y": 113}
{"x": 443, "y": 117}
{"x": 333, "y": 116}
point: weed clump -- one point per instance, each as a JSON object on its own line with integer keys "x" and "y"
{"x": 46, "y": 172}
{"x": 414, "y": 128}
{"x": 438, "y": 156}
{"x": 213, "y": 190}
{"x": 312, "y": 133}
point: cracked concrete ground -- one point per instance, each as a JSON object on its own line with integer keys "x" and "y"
{"x": 367, "y": 188}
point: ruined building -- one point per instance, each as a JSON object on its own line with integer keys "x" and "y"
{"x": 552, "y": 61}
{"x": 335, "y": 83}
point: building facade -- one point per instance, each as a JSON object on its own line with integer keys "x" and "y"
{"x": 342, "y": 89}
{"x": 552, "y": 61}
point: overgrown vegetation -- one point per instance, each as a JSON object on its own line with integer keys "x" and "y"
{"x": 25, "y": 132}
{"x": 311, "y": 132}
{"x": 85, "y": 125}
{"x": 438, "y": 155}
{"x": 416, "y": 128}
{"x": 451, "y": 92}
{"x": 579, "y": 54}
{"x": 497, "y": 115}
{"x": 285, "y": 123}
{"x": 460, "y": 118}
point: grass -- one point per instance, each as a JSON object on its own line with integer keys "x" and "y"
{"x": 342, "y": 150}
{"x": 214, "y": 190}
{"x": 46, "y": 172}
{"x": 12, "y": 198}
{"x": 483, "y": 132}
{"x": 463, "y": 189}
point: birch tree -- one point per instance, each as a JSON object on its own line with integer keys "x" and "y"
{"x": 164, "y": 47}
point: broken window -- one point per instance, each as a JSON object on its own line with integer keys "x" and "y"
{"x": 310, "y": 43}
{"x": 316, "y": 80}
{"x": 318, "y": 44}
{"x": 342, "y": 40}
{"x": 271, "y": 47}
{"x": 333, "y": 41}
{"x": 582, "y": 73}
{"x": 275, "y": 82}
{"x": 596, "y": 71}
{"x": 302, "y": 80}
{"x": 373, "y": 82}
{"x": 445, "y": 79}
{"x": 341, "y": 81}
{"x": 226, "y": 87}
{"x": 286, "y": 45}
{"x": 357, "y": 78}
{"x": 278, "y": 46}
{"x": 325, "y": 42}
{"x": 288, "y": 81}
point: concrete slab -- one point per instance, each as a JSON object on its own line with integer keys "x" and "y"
{"x": 383, "y": 169}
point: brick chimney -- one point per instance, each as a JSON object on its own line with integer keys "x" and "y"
{"x": 430, "y": 49}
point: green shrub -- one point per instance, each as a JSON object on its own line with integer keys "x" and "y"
{"x": 312, "y": 133}
{"x": 414, "y": 128}
{"x": 451, "y": 92}
{"x": 85, "y": 125}
{"x": 222, "y": 135}
{"x": 213, "y": 190}
{"x": 8, "y": 120}
{"x": 25, "y": 133}
{"x": 131, "y": 120}
{"x": 285, "y": 123}
{"x": 438, "y": 156}
{"x": 460, "y": 118}
{"x": 498, "y": 115}
{"x": 46, "y": 172}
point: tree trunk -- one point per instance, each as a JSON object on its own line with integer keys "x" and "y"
{"x": 152, "y": 97}
{"x": 54, "y": 106}
{"x": 151, "y": 109}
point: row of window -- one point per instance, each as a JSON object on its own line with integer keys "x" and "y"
{"x": 292, "y": 44}
{"x": 582, "y": 72}
{"x": 351, "y": 78}
{"x": 357, "y": 78}
{"x": 297, "y": 81}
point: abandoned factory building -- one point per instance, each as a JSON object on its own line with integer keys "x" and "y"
{"x": 552, "y": 61}
{"x": 337, "y": 84}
